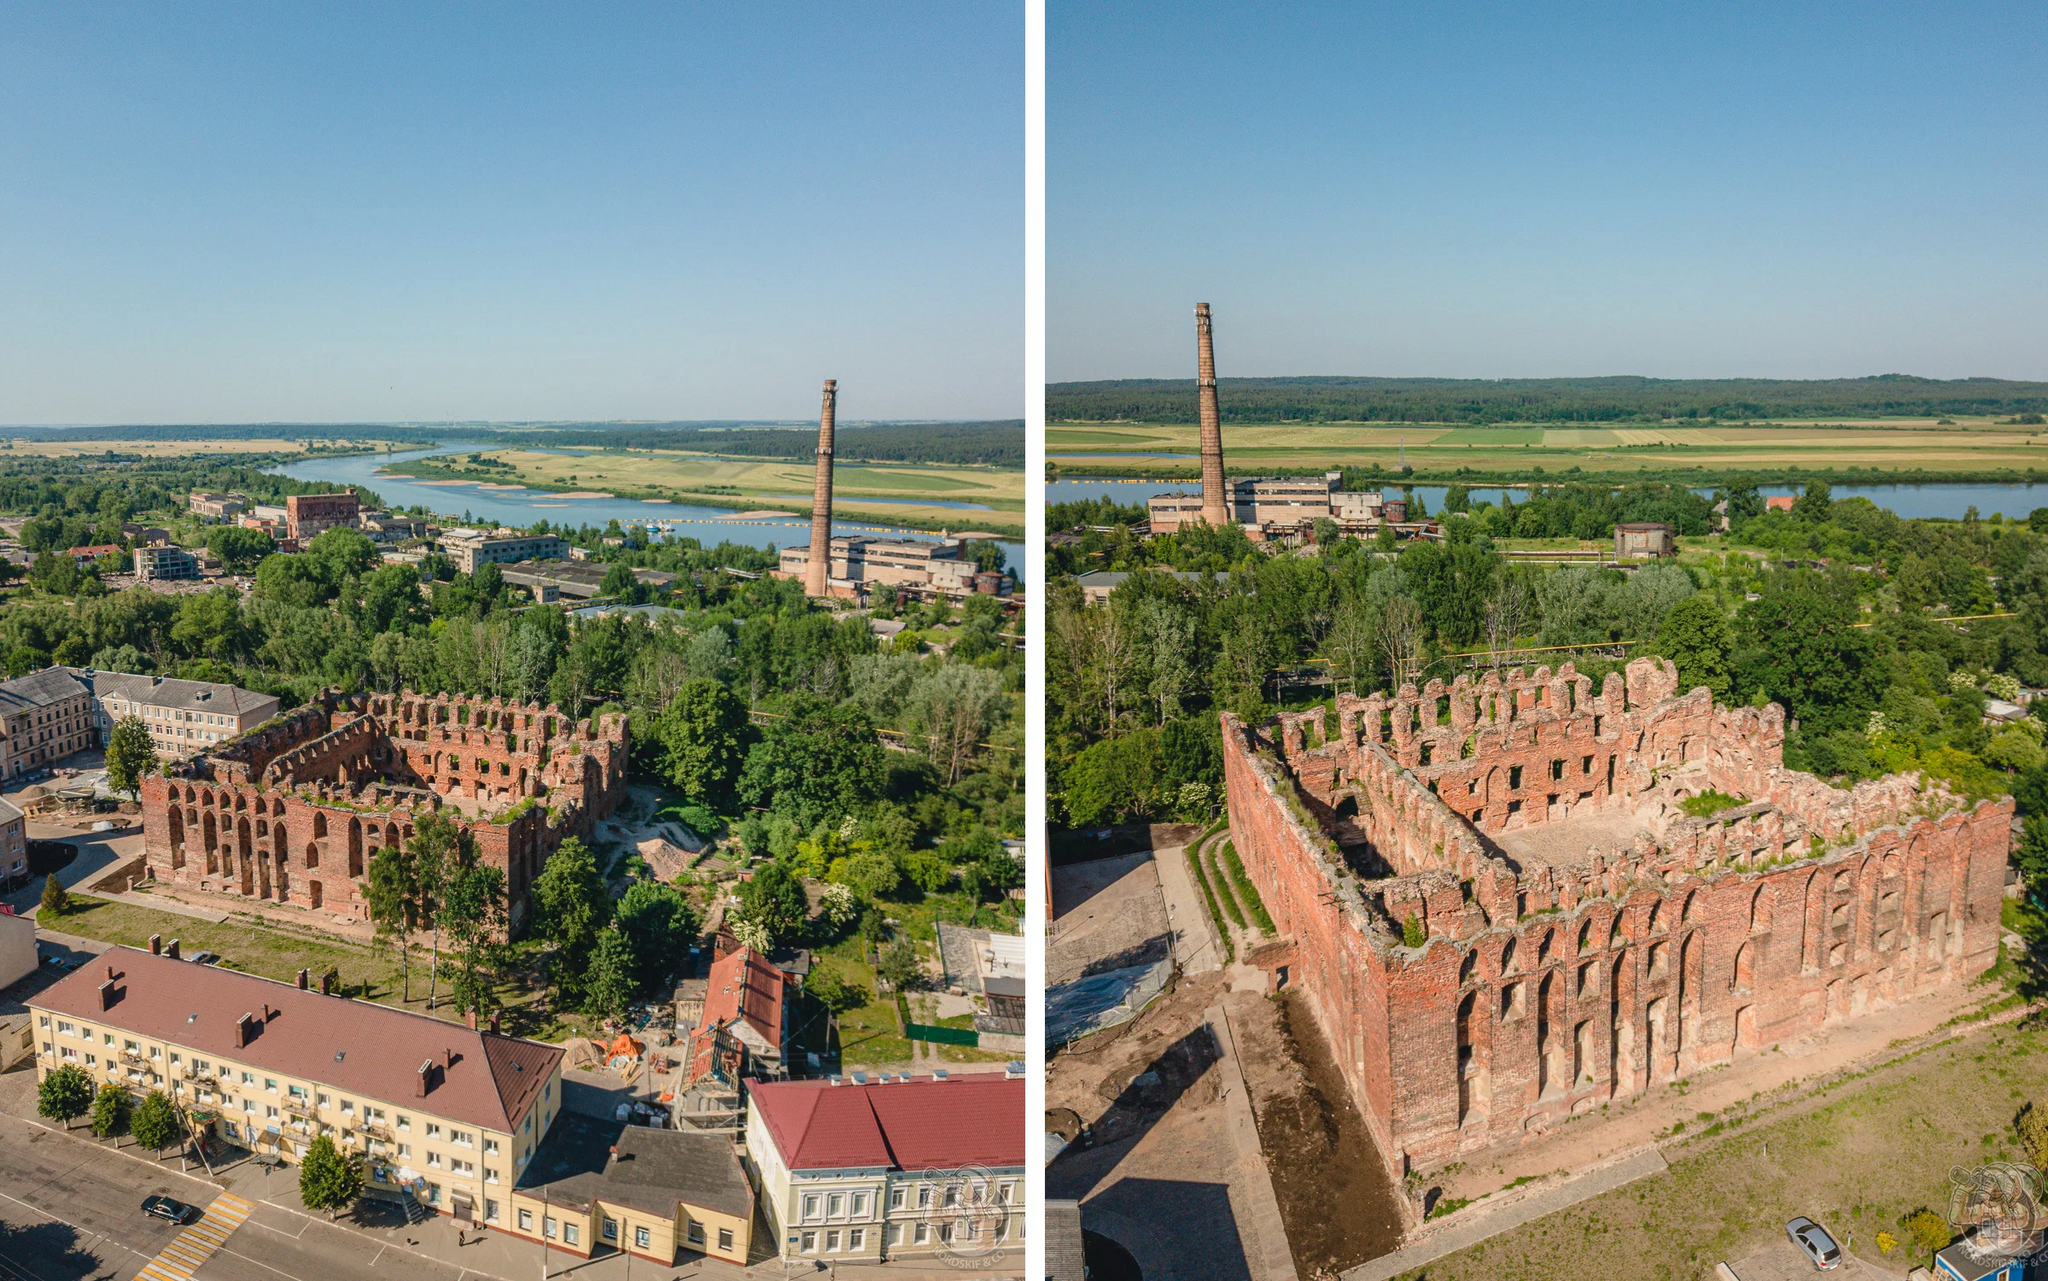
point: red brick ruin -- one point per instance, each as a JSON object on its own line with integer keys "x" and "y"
{"x": 292, "y": 811}
{"x": 1585, "y": 938}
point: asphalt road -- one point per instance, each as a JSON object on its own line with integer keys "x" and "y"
{"x": 70, "y": 1211}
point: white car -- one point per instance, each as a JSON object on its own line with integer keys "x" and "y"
{"x": 1815, "y": 1243}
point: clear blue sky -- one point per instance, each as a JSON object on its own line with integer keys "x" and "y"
{"x": 225, "y": 212}
{"x": 1499, "y": 190}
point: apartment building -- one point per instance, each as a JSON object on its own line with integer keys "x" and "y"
{"x": 184, "y": 717}
{"x": 165, "y": 564}
{"x": 916, "y": 1168}
{"x": 469, "y": 548}
{"x": 13, "y": 848}
{"x": 446, "y": 1114}
{"x": 44, "y": 717}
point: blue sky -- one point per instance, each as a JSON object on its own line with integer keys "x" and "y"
{"x": 247, "y": 212}
{"x": 1771, "y": 190}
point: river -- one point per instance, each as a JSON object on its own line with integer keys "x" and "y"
{"x": 519, "y": 508}
{"x": 2014, "y": 498}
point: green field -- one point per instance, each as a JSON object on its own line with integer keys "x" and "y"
{"x": 1977, "y": 447}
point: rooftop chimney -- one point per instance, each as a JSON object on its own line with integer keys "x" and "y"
{"x": 108, "y": 995}
{"x": 245, "y": 1029}
{"x": 110, "y": 972}
{"x": 818, "y": 569}
{"x": 425, "y": 1081}
{"x": 156, "y": 945}
{"x": 327, "y": 983}
{"x": 171, "y": 949}
{"x": 1215, "y": 499}
{"x": 469, "y": 1017}
{"x": 494, "y": 1020}
{"x": 302, "y": 979}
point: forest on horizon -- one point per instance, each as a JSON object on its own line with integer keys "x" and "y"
{"x": 1332, "y": 399}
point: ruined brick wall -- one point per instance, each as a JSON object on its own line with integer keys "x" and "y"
{"x": 293, "y": 813}
{"x": 1546, "y": 989}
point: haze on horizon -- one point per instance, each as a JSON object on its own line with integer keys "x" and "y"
{"x": 1471, "y": 191}
{"x": 387, "y": 214}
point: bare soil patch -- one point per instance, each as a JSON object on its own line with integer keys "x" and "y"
{"x": 1340, "y": 1206}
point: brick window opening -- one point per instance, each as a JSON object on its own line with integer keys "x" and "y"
{"x": 1557, "y": 769}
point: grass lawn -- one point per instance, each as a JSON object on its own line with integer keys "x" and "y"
{"x": 870, "y": 1035}
{"x": 962, "y": 1053}
{"x": 1871, "y": 1150}
{"x": 276, "y": 953}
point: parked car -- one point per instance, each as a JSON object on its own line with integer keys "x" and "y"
{"x": 205, "y": 958}
{"x": 59, "y": 963}
{"x": 176, "y": 1211}
{"x": 1815, "y": 1243}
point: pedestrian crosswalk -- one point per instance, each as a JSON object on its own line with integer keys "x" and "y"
{"x": 196, "y": 1244}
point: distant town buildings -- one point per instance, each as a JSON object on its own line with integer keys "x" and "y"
{"x": 214, "y": 508}
{"x": 859, "y": 564}
{"x": 549, "y": 580}
{"x": 165, "y": 564}
{"x": 309, "y": 515}
{"x": 1271, "y": 506}
{"x": 904, "y": 1168}
{"x": 1640, "y": 538}
{"x": 469, "y": 548}
{"x": 87, "y": 555}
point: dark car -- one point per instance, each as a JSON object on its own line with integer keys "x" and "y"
{"x": 176, "y": 1211}
{"x": 205, "y": 958}
{"x": 1815, "y": 1243}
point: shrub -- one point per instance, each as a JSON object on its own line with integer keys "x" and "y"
{"x": 2032, "y": 1126}
{"x": 1413, "y": 934}
{"x": 1929, "y": 1229}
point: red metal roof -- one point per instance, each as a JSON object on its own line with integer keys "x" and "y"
{"x": 745, "y": 986}
{"x": 492, "y": 1082}
{"x": 907, "y": 1125}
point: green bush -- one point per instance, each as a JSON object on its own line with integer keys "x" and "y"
{"x": 1413, "y": 934}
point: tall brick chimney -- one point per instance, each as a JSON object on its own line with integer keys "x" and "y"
{"x": 818, "y": 570}
{"x": 1215, "y": 499}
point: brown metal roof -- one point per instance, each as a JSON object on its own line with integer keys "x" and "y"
{"x": 354, "y": 1047}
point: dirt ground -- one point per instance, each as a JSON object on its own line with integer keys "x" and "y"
{"x": 1164, "y": 1178}
{"x": 1340, "y": 1205}
{"x": 1107, "y": 914}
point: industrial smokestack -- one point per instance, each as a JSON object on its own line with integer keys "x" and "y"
{"x": 818, "y": 570}
{"x": 1215, "y": 501}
